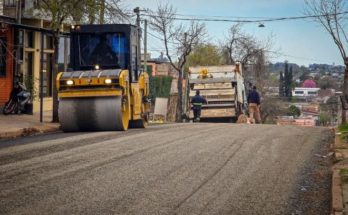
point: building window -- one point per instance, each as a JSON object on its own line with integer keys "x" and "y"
{"x": 10, "y": 3}
{"x": 3, "y": 52}
{"x": 30, "y": 61}
{"x": 48, "y": 42}
{"x": 37, "y": 3}
{"x": 30, "y": 39}
{"x": 47, "y": 75}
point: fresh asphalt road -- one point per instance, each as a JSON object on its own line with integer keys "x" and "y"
{"x": 169, "y": 169}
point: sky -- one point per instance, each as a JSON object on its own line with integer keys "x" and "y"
{"x": 298, "y": 41}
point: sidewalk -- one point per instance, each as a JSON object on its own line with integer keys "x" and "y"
{"x": 14, "y": 125}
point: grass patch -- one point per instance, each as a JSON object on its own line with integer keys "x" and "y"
{"x": 337, "y": 160}
{"x": 344, "y": 172}
{"x": 344, "y": 132}
{"x": 343, "y": 127}
{"x": 344, "y": 137}
{"x": 344, "y": 175}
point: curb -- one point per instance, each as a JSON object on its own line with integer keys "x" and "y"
{"x": 337, "y": 200}
{"x": 337, "y": 197}
{"x": 22, "y": 132}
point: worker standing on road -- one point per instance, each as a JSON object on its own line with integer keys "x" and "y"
{"x": 254, "y": 105}
{"x": 197, "y": 101}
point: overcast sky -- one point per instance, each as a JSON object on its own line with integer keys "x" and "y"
{"x": 300, "y": 41}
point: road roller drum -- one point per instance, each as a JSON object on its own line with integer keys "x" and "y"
{"x": 93, "y": 114}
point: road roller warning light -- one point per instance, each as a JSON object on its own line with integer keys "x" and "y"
{"x": 105, "y": 89}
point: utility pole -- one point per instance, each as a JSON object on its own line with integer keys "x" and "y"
{"x": 181, "y": 97}
{"x": 41, "y": 75}
{"x": 19, "y": 11}
{"x": 145, "y": 45}
{"x": 18, "y": 39}
{"x": 137, "y": 12}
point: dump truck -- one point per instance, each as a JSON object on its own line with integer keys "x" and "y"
{"x": 104, "y": 89}
{"x": 223, "y": 88}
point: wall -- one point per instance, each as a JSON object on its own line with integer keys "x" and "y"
{"x": 36, "y": 50}
{"x": 6, "y": 82}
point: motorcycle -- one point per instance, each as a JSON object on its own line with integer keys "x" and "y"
{"x": 19, "y": 100}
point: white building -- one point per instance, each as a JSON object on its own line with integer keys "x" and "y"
{"x": 305, "y": 92}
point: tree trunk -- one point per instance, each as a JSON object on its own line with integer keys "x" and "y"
{"x": 55, "y": 117}
{"x": 345, "y": 94}
{"x": 179, "y": 101}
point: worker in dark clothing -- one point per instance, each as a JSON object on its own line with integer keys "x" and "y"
{"x": 197, "y": 101}
{"x": 103, "y": 53}
{"x": 254, "y": 105}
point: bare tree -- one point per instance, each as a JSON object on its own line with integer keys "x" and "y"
{"x": 242, "y": 47}
{"x": 230, "y": 45}
{"x": 181, "y": 38}
{"x": 239, "y": 45}
{"x": 100, "y": 12}
{"x": 332, "y": 15}
{"x": 58, "y": 11}
{"x": 260, "y": 73}
{"x": 270, "y": 109}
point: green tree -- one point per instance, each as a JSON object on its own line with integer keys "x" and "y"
{"x": 204, "y": 55}
{"x": 288, "y": 83}
{"x": 281, "y": 84}
{"x": 294, "y": 111}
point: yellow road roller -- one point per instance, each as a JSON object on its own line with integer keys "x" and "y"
{"x": 104, "y": 89}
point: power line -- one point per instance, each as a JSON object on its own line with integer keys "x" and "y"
{"x": 292, "y": 56}
{"x": 157, "y": 37}
{"x": 244, "y": 20}
{"x": 274, "y": 52}
{"x": 217, "y": 16}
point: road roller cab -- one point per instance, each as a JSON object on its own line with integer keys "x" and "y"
{"x": 105, "y": 89}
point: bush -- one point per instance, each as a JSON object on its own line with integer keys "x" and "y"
{"x": 343, "y": 127}
{"x": 160, "y": 86}
{"x": 294, "y": 111}
{"x": 324, "y": 118}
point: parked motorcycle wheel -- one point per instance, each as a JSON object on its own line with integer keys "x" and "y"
{"x": 10, "y": 107}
